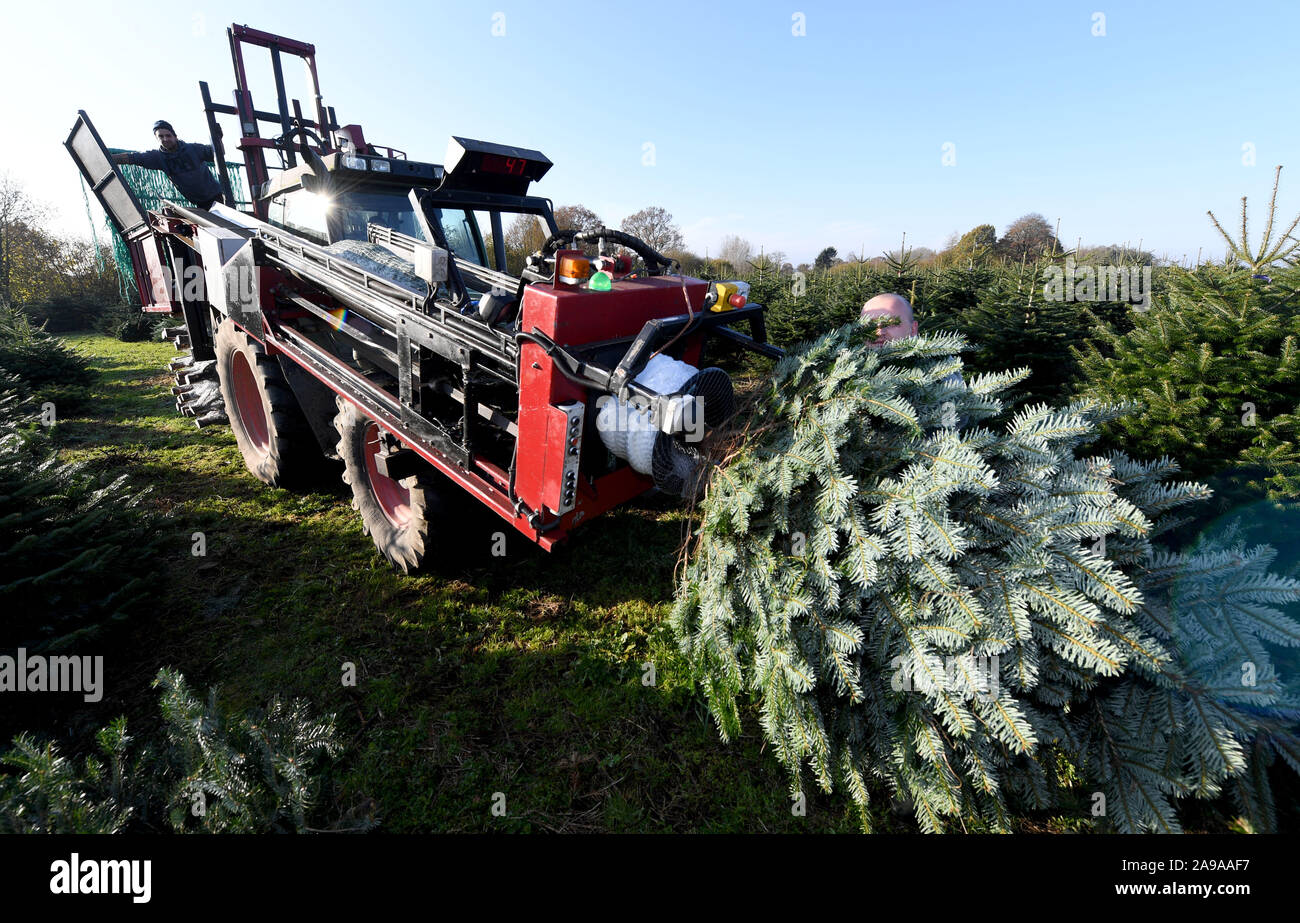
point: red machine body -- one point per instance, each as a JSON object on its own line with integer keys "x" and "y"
{"x": 578, "y": 316}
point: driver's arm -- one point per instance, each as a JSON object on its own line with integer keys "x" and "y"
{"x": 150, "y": 160}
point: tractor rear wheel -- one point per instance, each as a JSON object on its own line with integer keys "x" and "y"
{"x": 274, "y": 437}
{"x": 400, "y": 516}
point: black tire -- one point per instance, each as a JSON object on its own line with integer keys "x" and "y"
{"x": 274, "y": 437}
{"x": 402, "y": 517}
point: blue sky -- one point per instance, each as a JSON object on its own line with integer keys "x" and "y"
{"x": 795, "y": 142}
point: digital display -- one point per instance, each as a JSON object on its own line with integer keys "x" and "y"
{"x": 496, "y": 168}
{"x": 509, "y": 166}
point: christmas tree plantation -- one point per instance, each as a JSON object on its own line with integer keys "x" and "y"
{"x": 937, "y": 599}
{"x": 1215, "y": 367}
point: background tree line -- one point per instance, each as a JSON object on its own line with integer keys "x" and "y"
{"x": 66, "y": 283}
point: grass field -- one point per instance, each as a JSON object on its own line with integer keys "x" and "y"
{"x": 520, "y": 674}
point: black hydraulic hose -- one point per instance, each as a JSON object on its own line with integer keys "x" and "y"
{"x": 568, "y": 365}
{"x": 286, "y": 142}
{"x": 636, "y": 244}
{"x": 307, "y": 135}
{"x": 564, "y": 235}
{"x": 656, "y": 262}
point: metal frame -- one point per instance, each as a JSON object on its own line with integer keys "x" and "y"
{"x": 123, "y": 209}
{"x": 251, "y": 142}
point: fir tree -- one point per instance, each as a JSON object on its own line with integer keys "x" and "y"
{"x": 46, "y": 368}
{"x": 76, "y": 553}
{"x": 253, "y": 772}
{"x": 1012, "y": 322}
{"x": 1214, "y": 368}
{"x": 216, "y": 772}
{"x": 1271, "y": 250}
{"x": 48, "y": 793}
{"x": 932, "y": 611}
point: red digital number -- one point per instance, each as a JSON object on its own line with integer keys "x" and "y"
{"x": 511, "y": 166}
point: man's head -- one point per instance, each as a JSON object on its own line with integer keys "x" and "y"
{"x": 883, "y": 308}
{"x": 162, "y": 130}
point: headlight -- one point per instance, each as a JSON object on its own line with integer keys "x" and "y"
{"x": 381, "y": 166}
{"x": 353, "y": 162}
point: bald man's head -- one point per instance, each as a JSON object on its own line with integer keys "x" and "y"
{"x": 888, "y": 305}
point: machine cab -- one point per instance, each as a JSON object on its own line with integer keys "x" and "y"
{"x": 342, "y": 206}
{"x": 476, "y": 208}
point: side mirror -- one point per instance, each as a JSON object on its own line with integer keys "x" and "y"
{"x": 430, "y": 264}
{"x": 315, "y": 162}
{"x": 317, "y": 177}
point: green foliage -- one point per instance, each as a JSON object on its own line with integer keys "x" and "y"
{"x": 1214, "y": 366}
{"x": 826, "y": 259}
{"x": 60, "y": 281}
{"x": 525, "y": 235}
{"x": 1000, "y": 308}
{"x": 949, "y": 295}
{"x": 935, "y": 611}
{"x": 1012, "y": 324}
{"x": 47, "y": 369}
{"x": 49, "y": 794}
{"x": 253, "y": 773}
{"x": 73, "y": 311}
{"x": 215, "y": 773}
{"x": 1271, "y": 249}
{"x": 977, "y": 247}
{"x": 74, "y": 551}
{"x": 125, "y": 322}
{"x": 1029, "y": 237}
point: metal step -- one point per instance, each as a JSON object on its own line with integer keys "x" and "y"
{"x": 211, "y": 417}
{"x": 197, "y": 390}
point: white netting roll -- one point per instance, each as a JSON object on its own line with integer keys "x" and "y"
{"x": 628, "y": 432}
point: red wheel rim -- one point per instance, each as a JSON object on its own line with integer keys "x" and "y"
{"x": 248, "y": 401}
{"x": 393, "y": 498}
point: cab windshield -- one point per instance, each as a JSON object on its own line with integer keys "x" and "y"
{"x": 326, "y": 219}
{"x": 393, "y": 210}
{"x": 355, "y": 210}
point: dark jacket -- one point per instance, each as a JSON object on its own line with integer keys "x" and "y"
{"x": 185, "y": 167}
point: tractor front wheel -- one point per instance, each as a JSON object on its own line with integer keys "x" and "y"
{"x": 272, "y": 434}
{"x": 400, "y": 516}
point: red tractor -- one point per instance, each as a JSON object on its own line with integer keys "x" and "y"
{"x": 365, "y": 309}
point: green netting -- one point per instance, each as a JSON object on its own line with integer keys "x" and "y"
{"x": 94, "y": 235}
{"x": 151, "y": 187}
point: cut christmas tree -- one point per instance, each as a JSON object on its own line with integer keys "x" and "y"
{"x": 935, "y": 599}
